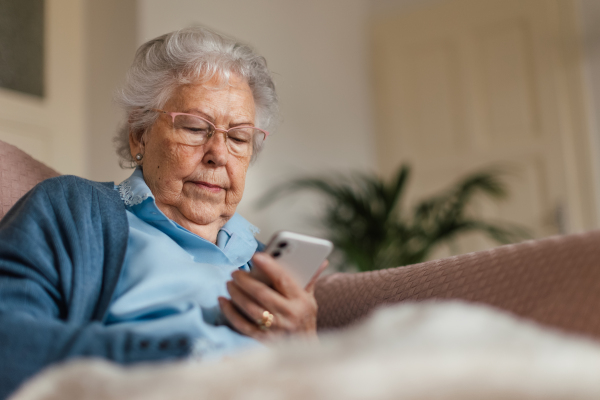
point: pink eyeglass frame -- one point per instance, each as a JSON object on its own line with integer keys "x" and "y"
{"x": 226, "y": 131}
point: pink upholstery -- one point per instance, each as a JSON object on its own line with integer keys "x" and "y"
{"x": 18, "y": 173}
{"x": 554, "y": 281}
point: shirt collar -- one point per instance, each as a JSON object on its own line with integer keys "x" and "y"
{"x": 134, "y": 190}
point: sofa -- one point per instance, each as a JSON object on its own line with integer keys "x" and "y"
{"x": 517, "y": 321}
{"x": 553, "y": 281}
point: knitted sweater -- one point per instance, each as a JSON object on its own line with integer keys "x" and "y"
{"x": 61, "y": 251}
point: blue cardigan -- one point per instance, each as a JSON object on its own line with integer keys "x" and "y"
{"x": 61, "y": 250}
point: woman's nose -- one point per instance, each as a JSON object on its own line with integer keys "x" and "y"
{"x": 215, "y": 149}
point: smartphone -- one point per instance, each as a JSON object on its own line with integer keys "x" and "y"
{"x": 299, "y": 254}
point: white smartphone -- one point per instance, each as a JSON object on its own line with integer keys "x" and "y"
{"x": 299, "y": 254}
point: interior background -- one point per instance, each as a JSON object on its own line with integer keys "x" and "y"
{"x": 319, "y": 51}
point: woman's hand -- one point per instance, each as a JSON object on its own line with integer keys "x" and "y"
{"x": 293, "y": 309}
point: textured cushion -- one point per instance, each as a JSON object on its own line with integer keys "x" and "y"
{"x": 19, "y": 172}
{"x": 555, "y": 281}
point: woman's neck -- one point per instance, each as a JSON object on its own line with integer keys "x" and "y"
{"x": 207, "y": 231}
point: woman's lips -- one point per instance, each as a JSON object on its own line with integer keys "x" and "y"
{"x": 209, "y": 187}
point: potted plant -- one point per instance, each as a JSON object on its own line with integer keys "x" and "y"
{"x": 365, "y": 219}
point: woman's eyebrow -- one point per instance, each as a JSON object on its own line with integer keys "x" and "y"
{"x": 241, "y": 124}
{"x": 212, "y": 119}
{"x": 199, "y": 112}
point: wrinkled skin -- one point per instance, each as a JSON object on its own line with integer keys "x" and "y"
{"x": 199, "y": 187}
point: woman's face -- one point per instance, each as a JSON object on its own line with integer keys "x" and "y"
{"x": 198, "y": 187}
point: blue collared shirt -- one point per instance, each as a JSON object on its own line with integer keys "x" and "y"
{"x": 171, "y": 277}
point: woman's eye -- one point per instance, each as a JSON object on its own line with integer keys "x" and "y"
{"x": 240, "y": 136}
{"x": 196, "y": 130}
{"x": 190, "y": 125}
{"x": 238, "y": 139}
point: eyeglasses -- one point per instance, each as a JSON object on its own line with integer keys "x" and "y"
{"x": 193, "y": 130}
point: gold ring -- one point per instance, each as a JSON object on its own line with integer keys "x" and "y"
{"x": 266, "y": 321}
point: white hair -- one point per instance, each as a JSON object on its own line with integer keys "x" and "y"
{"x": 163, "y": 64}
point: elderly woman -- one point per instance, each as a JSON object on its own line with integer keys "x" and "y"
{"x": 156, "y": 267}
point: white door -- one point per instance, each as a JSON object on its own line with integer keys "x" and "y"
{"x": 470, "y": 83}
{"x": 52, "y": 128}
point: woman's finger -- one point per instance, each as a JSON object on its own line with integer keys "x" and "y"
{"x": 244, "y": 303}
{"x": 282, "y": 281}
{"x": 261, "y": 293}
{"x": 237, "y": 320}
{"x": 289, "y": 313}
{"x": 310, "y": 286}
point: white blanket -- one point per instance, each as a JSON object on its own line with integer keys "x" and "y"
{"x": 439, "y": 350}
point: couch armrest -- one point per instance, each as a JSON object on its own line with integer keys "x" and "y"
{"x": 555, "y": 281}
{"x": 19, "y": 172}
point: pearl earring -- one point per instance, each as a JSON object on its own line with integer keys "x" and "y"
{"x": 139, "y": 156}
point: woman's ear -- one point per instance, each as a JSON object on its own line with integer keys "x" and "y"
{"x": 136, "y": 144}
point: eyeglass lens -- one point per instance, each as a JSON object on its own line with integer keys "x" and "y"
{"x": 195, "y": 131}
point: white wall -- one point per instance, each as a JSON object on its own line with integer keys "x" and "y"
{"x": 318, "y": 51}
{"x": 378, "y": 7}
{"x": 111, "y": 41}
{"x": 589, "y": 11}
{"x": 52, "y": 128}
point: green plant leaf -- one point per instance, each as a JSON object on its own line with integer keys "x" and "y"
{"x": 369, "y": 228}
